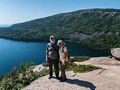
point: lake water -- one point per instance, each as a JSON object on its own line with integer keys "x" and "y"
{"x": 12, "y": 53}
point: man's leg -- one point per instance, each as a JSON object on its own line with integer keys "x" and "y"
{"x": 56, "y": 67}
{"x": 50, "y": 68}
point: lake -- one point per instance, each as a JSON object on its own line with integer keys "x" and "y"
{"x": 12, "y": 53}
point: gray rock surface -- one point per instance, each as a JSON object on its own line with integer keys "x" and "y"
{"x": 107, "y": 78}
{"x": 116, "y": 52}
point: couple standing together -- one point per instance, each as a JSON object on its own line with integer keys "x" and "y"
{"x": 57, "y": 56}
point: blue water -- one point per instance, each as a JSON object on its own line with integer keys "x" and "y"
{"x": 12, "y": 53}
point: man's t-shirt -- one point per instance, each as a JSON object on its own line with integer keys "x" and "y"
{"x": 52, "y": 51}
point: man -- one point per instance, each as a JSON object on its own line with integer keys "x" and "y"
{"x": 52, "y": 57}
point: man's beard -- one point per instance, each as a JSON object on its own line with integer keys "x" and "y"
{"x": 52, "y": 41}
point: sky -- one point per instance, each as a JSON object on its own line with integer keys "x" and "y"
{"x": 16, "y": 11}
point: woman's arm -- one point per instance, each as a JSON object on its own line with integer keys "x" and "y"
{"x": 66, "y": 53}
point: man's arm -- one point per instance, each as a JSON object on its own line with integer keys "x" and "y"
{"x": 47, "y": 56}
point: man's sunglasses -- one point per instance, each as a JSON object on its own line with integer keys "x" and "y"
{"x": 59, "y": 43}
{"x": 52, "y": 38}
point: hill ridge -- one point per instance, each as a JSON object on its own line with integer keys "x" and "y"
{"x": 92, "y": 27}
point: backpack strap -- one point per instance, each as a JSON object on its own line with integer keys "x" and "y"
{"x": 55, "y": 50}
{"x": 62, "y": 49}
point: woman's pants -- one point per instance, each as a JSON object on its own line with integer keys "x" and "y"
{"x": 62, "y": 68}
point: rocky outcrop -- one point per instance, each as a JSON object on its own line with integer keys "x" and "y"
{"x": 116, "y": 53}
{"x": 106, "y": 78}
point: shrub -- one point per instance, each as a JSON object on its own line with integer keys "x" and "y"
{"x": 79, "y": 58}
{"x": 21, "y": 77}
{"x": 84, "y": 68}
{"x": 70, "y": 65}
{"x": 45, "y": 65}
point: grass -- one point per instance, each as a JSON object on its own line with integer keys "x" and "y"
{"x": 84, "y": 68}
{"x": 45, "y": 65}
{"x": 79, "y": 58}
{"x": 71, "y": 66}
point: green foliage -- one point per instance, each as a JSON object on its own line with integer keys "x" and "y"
{"x": 84, "y": 68}
{"x": 45, "y": 65}
{"x": 79, "y": 58}
{"x": 19, "y": 78}
{"x": 70, "y": 65}
{"x": 88, "y": 22}
{"x": 103, "y": 42}
{"x": 43, "y": 72}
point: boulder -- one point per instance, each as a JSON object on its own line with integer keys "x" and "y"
{"x": 116, "y": 53}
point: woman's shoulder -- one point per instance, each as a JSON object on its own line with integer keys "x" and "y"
{"x": 48, "y": 44}
{"x": 65, "y": 49}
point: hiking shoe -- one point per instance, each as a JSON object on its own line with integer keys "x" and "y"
{"x": 58, "y": 78}
{"x": 49, "y": 77}
{"x": 62, "y": 80}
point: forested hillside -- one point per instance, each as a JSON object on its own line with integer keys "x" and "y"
{"x": 97, "y": 28}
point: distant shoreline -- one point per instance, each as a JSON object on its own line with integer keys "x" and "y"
{"x": 38, "y": 41}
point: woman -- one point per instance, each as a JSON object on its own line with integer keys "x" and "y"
{"x": 63, "y": 53}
